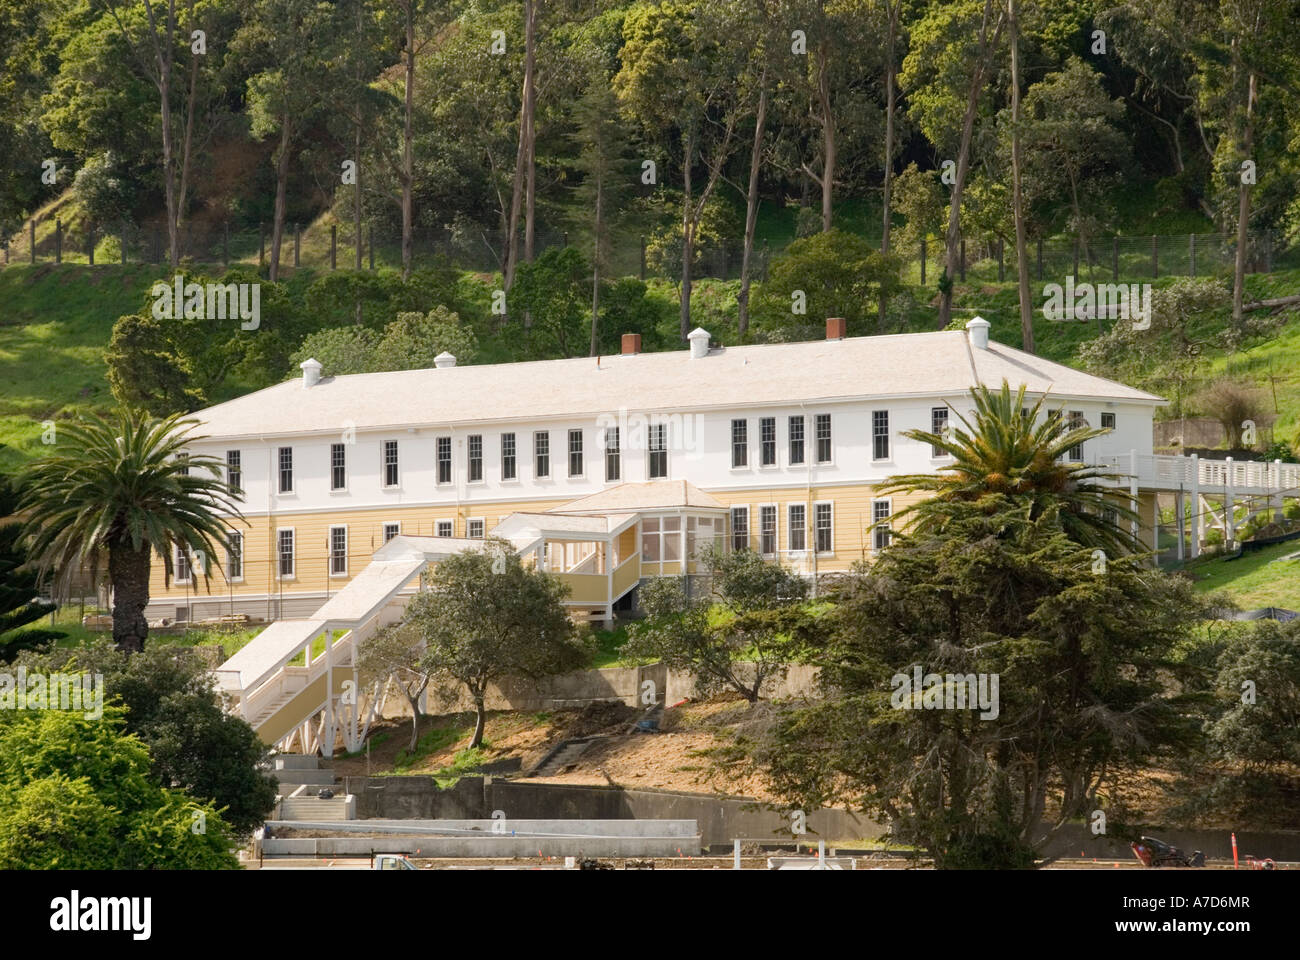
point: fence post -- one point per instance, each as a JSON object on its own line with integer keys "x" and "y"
{"x": 1076, "y": 259}
{"x": 923, "y": 261}
{"x": 370, "y": 231}
{"x": 90, "y": 243}
{"x": 261, "y": 244}
{"x": 334, "y": 246}
{"x": 1002, "y": 272}
{"x": 124, "y": 243}
{"x": 1114, "y": 258}
{"x": 961, "y": 267}
{"x": 225, "y": 243}
{"x": 1040, "y": 259}
{"x": 32, "y": 242}
{"x": 1155, "y": 256}
{"x": 297, "y": 244}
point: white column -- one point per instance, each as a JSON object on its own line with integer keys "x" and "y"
{"x": 1229, "y": 523}
{"x": 1133, "y": 489}
{"x": 1196, "y": 506}
{"x": 1180, "y": 511}
{"x": 1276, "y": 498}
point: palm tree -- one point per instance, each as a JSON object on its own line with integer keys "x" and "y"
{"x": 1008, "y": 451}
{"x": 117, "y": 490}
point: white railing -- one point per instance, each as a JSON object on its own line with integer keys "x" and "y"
{"x": 1170, "y": 472}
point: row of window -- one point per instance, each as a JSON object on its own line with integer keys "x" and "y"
{"x": 797, "y": 528}
{"x": 657, "y": 449}
{"x": 286, "y": 555}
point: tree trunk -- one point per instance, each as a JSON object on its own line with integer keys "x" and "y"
{"x": 595, "y": 266}
{"x": 480, "y": 721}
{"x": 952, "y": 240}
{"x": 189, "y": 128}
{"x": 688, "y": 241}
{"x": 751, "y": 207}
{"x": 281, "y": 182}
{"x": 169, "y": 149}
{"x": 1017, "y": 202}
{"x": 408, "y": 160}
{"x": 414, "y": 703}
{"x": 828, "y": 138}
{"x": 890, "y": 39}
{"x": 516, "y": 195}
{"x": 1243, "y": 211}
{"x": 128, "y": 571}
{"x": 530, "y": 113}
{"x": 356, "y": 159}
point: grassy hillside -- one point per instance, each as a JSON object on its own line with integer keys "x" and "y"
{"x": 1257, "y": 579}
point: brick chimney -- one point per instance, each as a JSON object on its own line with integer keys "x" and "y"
{"x": 631, "y": 344}
{"x": 836, "y": 328}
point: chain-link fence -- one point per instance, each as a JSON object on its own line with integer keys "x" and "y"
{"x": 480, "y": 248}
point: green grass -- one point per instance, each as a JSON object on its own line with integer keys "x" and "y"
{"x": 431, "y": 741}
{"x": 1257, "y": 579}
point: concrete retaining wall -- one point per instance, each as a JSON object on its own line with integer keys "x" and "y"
{"x": 485, "y": 846}
{"x": 1075, "y": 839}
{"x": 721, "y": 819}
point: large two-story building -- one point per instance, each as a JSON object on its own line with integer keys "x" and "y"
{"x": 607, "y": 469}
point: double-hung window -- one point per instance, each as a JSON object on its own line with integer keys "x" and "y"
{"x": 658, "y": 459}
{"x": 284, "y": 549}
{"x": 338, "y": 466}
{"x": 767, "y": 529}
{"x": 767, "y": 441}
{"x": 823, "y": 426}
{"x": 338, "y": 551}
{"x": 823, "y": 531}
{"x": 509, "y": 460}
{"x": 938, "y": 424}
{"x": 796, "y": 440}
{"x": 740, "y": 443}
{"x": 474, "y": 457}
{"x": 1077, "y": 422}
{"x": 740, "y": 528}
{"x": 541, "y": 454}
{"x": 880, "y": 511}
{"x": 444, "y": 459}
{"x": 234, "y": 472}
{"x": 797, "y": 520}
{"x": 235, "y": 556}
{"x": 390, "y": 463}
{"x": 879, "y": 434}
{"x": 391, "y": 530}
{"x": 286, "y": 469}
{"x": 613, "y": 455}
{"x": 575, "y": 454}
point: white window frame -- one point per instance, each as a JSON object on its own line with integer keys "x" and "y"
{"x": 550, "y": 462}
{"x": 469, "y": 523}
{"x": 581, "y": 452}
{"x": 236, "y": 489}
{"x": 482, "y": 456}
{"x": 279, "y": 473}
{"x": 875, "y": 533}
{"x": 732, "y": 445}
{"x": 229, "y": 557}
{"x": 776, "y": 530}
{"x": 776, "y": 445}
{"x": 803, "y": 439}
{"x": 947, "y": 422}
{"x": 790, "y": 528}
{"x": 383, "y": 465}
{"x": 501, "y": 442}
{"x": 450, "y": 521}
{"x": 333, "y": 489}
{"x": 650, "y": 451}
{"x": 823, "y": 503}
{"x": 613, "y": 454}
{"x": 179, "y": 555}
{"x": 451, "y": 461}
{"x": 383, "y": 530}
{"x": 1114, "y": 420}
{"x": 344, "y": 528}
{"x": 293, "y": 553}
{"x": 830, "y": 441}
{"x": 731, "y": 526}
{"x": 889, "y": 438}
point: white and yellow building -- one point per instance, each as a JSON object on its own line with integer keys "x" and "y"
{"x": 604, "y": 470}
{"x": 612, "y": 468}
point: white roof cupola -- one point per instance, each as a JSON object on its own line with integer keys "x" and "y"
{"x": 699, "y": 338}
{"x": 978, "y": 330}
{"x": 444, "y": 360}
{"x": 310, "y": 372}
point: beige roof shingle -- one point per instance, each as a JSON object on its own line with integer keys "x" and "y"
{"x": 898, "y": 365}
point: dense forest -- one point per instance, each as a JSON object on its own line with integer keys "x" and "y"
{"x": 551, "y": 146}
